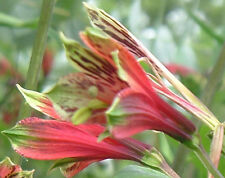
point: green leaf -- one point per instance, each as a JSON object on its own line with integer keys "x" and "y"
{"x": 134, "y": 171}
{"x": 9, "y": 21}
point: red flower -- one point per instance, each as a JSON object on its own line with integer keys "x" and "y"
{"x": 47, "y": 62}
{"x": 50, "y": 140}
{"x": 137, "y": 104}
{"x": 138, "y": 107}
{"x": 9, "y": 169}
{"x": 119, "y": 33}
{"x": 179, "y": 69}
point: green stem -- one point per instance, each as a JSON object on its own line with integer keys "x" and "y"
{"x": 200, "y": 152}
{"x": 207, "y": 96}
{"x": 154, "y": 159}
{"x": 168, "y": 170}
{"x": 180, "y": 158}
{"x": 209, "y": 30}
{"x": 214, "y": 78}
{"x": 37, "y": 52}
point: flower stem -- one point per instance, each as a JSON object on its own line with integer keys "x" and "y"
{"x": 200, "y": 152}
{"x": 37, "y": 52}
{"x": 207, "y": 96}
{"x": 168, "y": 170}
{"x": 214, "y": 78}
{"x": 154, "y": 159}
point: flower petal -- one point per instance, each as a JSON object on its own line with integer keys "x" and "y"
{"x": 117, "y": 31}
{"x": 133, "y": 73}
{"x": 103, "y": 71}
{"x": 9, "y": 169}
{"x": 39, "y": 101}
{"x": 36, "y": 138}
{"x": 72, "y": 92}
{"x": 133, "y": 112}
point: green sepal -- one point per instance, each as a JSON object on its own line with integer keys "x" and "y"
{"x": 95, "y": 32}
{"x": 61, "y": 162}
{"x": 17, "y": 135}
{"x": 33, "y": 98}
{"x": 83, "y": 114}
{"x": 153, "y": 159}
{"x": 103, "y": 135}
{"x": 122, "y": 73}
{"x": 24, "y": 174}
{"x": 115, "y": 114}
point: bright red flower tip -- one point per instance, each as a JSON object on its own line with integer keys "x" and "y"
{"x": 50, "y": 139}
{"x": 179, "y": 69}
{"x": 35, "y": 139}
{"x": 47, "y": 62}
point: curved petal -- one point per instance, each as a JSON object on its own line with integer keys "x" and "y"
{"x": 99, "y": 68}
{"x": 134, "y": 74}
{"x": 133, "y": 112}
{"x": 71, "y": 93}
{"x": 117, "y": 31}
{"x": 50, "y": 139}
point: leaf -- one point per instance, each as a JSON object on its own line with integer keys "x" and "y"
{"x": 134, "y": 171}
{"x": 9, "y": 21}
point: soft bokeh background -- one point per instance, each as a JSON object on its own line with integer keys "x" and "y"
{"x": 186, "y": 32}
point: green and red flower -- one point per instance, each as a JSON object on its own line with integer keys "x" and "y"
{"x": 77, "y": 146}
{"x": 9, "y": 169}
{"x": 109, "y": 92}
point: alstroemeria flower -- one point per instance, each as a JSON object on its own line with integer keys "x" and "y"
{"x": 52, "y": 140}
{"x": 81, "y": 95}
{"x": 137, "y": 107}
{"x": 9, "y": 169}
{"x": 105, "y": 76}
{"x": 118, "y": 32}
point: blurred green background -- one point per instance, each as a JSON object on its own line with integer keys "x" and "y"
{"x": 186, "y": 32}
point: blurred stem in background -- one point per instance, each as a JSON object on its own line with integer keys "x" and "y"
{"x": 37, "y": 52}
{"x": 215, "y": 77}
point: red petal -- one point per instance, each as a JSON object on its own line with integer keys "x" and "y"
{"x": 140, "y": 114}
{"x": 50, "y": 139}
{"x": 137, "y": 78}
